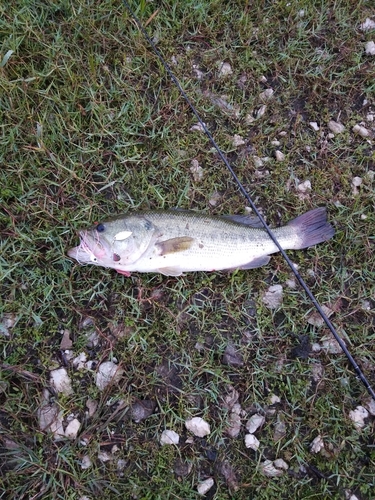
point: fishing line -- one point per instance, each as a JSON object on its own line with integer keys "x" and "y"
{"x": 307, "y": 290}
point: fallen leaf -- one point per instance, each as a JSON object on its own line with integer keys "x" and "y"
{"x": 196, "y": 170}
{"x": 182, "y": 468}
{"x": 280, "y": 430}
{"x": 72, "y": 429}
{"x": 198, "y": 426}
{"x": 108, "y": 373}
{"x": 234, "y": 426}
{"x": 329, "y": 344}
{"x": 86, "y": 462}
{"x": 317, "y": 445}
{"x": 50, "y": 417}
{"x": 251, "y": 442}
{"x": 91, "y": 406}
{"x": 336, "y": 127}
{"x": 274, "y": 469}
{"x": 142, "y": 409}
{"x": 66, "y": 342}
{"x": 232, "y": 356}
{"x": 225, "y": 69}
{"x": 268, "y": 469}
{"x": 230, "y": 399}
{"x": 254, "y": 422}
{"x": 273, "y": 297}
{"x": 229, "y": 474}
{"x": 169, "y": 437}
{"x": 205, "y": 486}
{"x": 60, "y": 380}
{"x": 358, "y": 416}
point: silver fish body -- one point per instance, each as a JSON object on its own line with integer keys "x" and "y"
{"x": 175, "y": 241}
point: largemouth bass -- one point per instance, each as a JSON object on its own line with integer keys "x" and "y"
{"x": 176, "y": 241}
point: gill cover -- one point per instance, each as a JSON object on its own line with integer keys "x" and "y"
{"x": 125, "y": 240}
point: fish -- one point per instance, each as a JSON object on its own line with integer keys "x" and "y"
{"x": 176, "y": 241}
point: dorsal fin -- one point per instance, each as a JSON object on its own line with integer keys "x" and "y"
{"x": 246, "y": 220}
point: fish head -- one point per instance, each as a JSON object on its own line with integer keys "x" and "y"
{"x": 114, "y": 243}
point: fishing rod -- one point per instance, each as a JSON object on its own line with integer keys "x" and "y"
{"x": 222, "y": 156}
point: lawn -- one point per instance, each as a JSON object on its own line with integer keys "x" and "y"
{"x": 91, "y": 127}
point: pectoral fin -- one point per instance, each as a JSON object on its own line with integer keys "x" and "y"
{"x": 174, "y": 245}
{"x": 125, "y": 273}
{"x": 246, "y": 220}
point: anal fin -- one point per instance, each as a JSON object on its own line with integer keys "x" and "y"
{"x": 170, "y": 271}
{"x": 258, "y": 262}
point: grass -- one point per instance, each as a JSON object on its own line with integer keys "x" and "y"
{"x": 91, "y": 127}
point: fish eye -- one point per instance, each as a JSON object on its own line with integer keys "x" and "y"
{"x": 116, "y": 257}
{"x": 100, "y": 228}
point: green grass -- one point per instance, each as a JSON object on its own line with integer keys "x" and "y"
{"x": 91, "y": 126}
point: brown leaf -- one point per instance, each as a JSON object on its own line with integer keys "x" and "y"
{"x": 142, "y": 409}
{"x": 232, "y": 356}
{"x": 227, "y": 471}
{"x": 66, "y": 343}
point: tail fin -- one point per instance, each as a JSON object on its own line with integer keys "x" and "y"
{"x": 312, "y": 228}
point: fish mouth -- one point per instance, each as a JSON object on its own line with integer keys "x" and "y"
{"x": 89, "y": 250}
